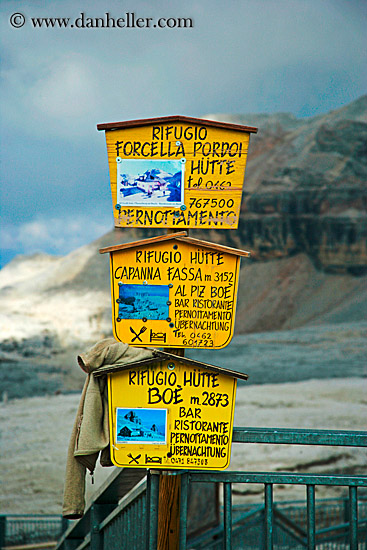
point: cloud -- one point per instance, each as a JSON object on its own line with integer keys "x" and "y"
{"x": 71, "y": 78}
{"x": 56, "y": 235}
{"x": 66, "y": 91}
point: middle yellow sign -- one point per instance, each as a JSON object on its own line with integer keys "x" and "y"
{"x": 174, "y": 291}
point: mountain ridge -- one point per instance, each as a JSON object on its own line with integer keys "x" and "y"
{"x": 305, "y": 187}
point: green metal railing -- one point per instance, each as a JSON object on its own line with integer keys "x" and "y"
{"x": 18, "y": 529}
{"x": 290, "y": 526}
{"x": 268, "y": 480}
{"x": 131, "y": 523}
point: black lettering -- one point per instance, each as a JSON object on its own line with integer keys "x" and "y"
{"x": 154, "y": 149}
{"x": 154, "y": 396}
{"x": 206, "y": 150}
{"x": 137, "y": 146}
{"x": 156, "y": 132}
{"x": 118, "y": 147}
{"x": 145, "y": 144}
{"x": 203, "y": 132}
{"x": 128, "y": 148}
{"x": 197, "y": 147}
{"x": 168, "y": 131}
{"x": 229, "y": 167}
{"x": 178, "y": 135}
{"x": 188, "y": 133}
{"x": 216, "y": 146}
{"x": 138, "y": 216}
{"x": 233, "y": 154}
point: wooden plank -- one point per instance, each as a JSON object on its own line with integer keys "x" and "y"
{"x": 180, "y": 236}
{"x": 168, "y": 511}
{"x": 160, "y": 355}
{"x": 219, "y": 247}
{"x": 169, "y": 504}
{"x": 35, "y": 546}
{"x": 118, "y": 368}
{"x": 175, "y": 118}
{"x": 194, "y": 363}
{"x": 142, "y": 242}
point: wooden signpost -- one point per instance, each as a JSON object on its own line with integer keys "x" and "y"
{"x": 171, "y": 413}
{"x": 174, "y": 291}
{"x": 177, "y": 172}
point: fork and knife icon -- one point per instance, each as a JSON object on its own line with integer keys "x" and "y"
{"x": 134, "y": 459}
{"x": 137, "y": 335}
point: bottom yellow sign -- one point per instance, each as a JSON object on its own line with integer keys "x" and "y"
{"x": 171, "y": 415}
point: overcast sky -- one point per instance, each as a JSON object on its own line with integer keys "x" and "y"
{"x": 247, "y": 56}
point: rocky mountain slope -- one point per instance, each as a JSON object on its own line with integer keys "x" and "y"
{"x": 305, "y": 187}
{"x": 58, "y": 302}
{"x": 54, "y": 308}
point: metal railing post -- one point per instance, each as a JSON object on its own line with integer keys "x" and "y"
{"x": 268, "y": 516}
{"x": 152, "y": 510}
{"x": 183, "y": 510}
{"x": 64, "y": 525}
{"x": 2, "y": 531}
{"x": 227, "y": 500}
{"x": 353, "y": 518}
{"x": 96, "y": 537}
{"x": 147, "y": 509}
{"x": 311, "y": 539}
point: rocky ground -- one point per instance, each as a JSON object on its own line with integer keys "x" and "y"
{"x": 320, "y": 404}
{"x": 36, "y": 430}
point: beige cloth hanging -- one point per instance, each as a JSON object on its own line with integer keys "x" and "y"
{"x": 90, "y": 433}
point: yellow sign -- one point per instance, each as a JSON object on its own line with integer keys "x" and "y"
{"x": 171, "y": 415}
{"x": 174, "y": 291}
{"x": 177, "y": 172}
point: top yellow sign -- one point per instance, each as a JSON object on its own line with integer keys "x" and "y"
{"x": 176, "y": 172}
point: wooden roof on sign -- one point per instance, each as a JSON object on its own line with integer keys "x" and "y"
{"x": 175, "y": 118}
{"x": 180, "y": 236}
{"x": 159, "y": 356}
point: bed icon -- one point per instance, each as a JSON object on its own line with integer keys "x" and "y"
{"x": 153, "y": 459}
{"x": 157, "y": 336}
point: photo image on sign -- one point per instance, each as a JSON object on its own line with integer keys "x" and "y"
{"x": 143, "y": 302}
{"x": 150, "y": 182}
{"x": 141, "y": 425}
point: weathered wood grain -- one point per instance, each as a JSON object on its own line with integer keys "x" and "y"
{"x": 175, "y": 118}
